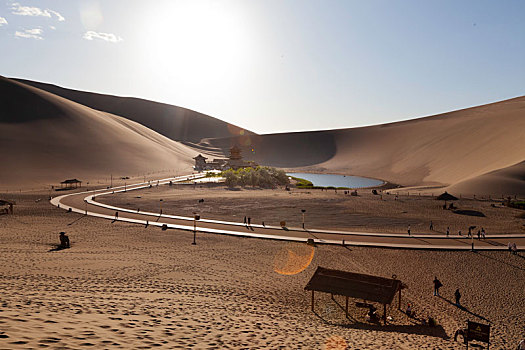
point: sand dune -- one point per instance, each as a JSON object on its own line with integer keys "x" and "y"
{"x": 46, "y": 138}
{"x": 445, "y": 149}
{"x": 504, "y": 182}
{"x": 477, "y": 150}
{"x": 176, "y": 123}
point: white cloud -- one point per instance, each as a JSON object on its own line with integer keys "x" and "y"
{"x": 3, "y": 21}
{"x": 30, "y": 34}
{"x": 90, "y": 35}
{"x": 34, "y": 11}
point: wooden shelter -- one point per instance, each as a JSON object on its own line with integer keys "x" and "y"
{"x": 445, "y": 196}
{"x": 70, "y": 184}
{"x": 6, "y": 207}
{"x": 355, "y": 285}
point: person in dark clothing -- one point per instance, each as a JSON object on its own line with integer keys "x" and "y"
{"x": 437, "y": 285}
{"x": 431, "y": 226}
{"x": 457, "y": 294}
{"x": 249, "y": 221}
{"x": 372, "y": 314}
{"x": 245, "y": 220}
{"x": 64, "y": 240}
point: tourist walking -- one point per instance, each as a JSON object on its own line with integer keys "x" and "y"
{"x": 245, "y": 220}
{"x": 408, "y": 229}
{"x": 431, "y": 226}
{"x": 483, "y": 233}
{"x": 437, "y": 285}
{"x": 479, "y": 235}
{"x": 249, "y": 221}
{"x": 457, "y": 294}
{"x": 448, "y": 230}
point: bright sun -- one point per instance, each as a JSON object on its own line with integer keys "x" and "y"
{"x": 194, "y": 42}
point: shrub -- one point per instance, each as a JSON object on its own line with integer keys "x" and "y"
{"x": 264, "y": 177}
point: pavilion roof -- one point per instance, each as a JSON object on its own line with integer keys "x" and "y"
{"x": 355, "y": 285}
{"x": 71, "y": 181}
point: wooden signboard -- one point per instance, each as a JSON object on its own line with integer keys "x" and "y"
{"x": 478, "y": 331}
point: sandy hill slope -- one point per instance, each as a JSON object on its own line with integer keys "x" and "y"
{"x": 176, "y": 123}
{"x": 46, "y": 139}
{"x": 469, "y": 148}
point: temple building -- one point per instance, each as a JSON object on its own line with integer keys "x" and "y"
{"x": 234, "y": 162}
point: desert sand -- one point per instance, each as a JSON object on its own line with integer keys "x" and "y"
{"x": 479, "y": 150}
{"x": 126, "y": 286}
{"x": 325, "y": 209}
{"x": 47, "y": 139}
{"x": 176, "y": 123}
{"x": 459, "y": 149}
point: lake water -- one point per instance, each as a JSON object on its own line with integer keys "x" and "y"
{"x": 327, "y": 180}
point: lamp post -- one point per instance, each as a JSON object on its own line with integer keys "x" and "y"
{"x": 195, "y": 218}
{"x": 303, "y": 211}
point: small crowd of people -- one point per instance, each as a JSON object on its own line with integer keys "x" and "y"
{"x": 438, "y": 284}
{"x": 481, "y": 231}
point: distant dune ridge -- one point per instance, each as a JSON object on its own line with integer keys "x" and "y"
{"x": 176, "y": 123}
{"x": 46, "y": 139}
{"x": 479, "y": 150}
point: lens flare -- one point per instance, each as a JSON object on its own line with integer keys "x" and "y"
{"x": 335, "y": 342}
{"x": 293, "y": 258}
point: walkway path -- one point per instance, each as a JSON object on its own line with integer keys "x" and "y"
{"x": 85, "y": 203}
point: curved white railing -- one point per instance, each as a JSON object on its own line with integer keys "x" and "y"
{"x": 91, "y": 196}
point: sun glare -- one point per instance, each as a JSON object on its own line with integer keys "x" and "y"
{"x": 194, "y": 42}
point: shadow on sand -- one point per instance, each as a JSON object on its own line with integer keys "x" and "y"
{"x": 463, "y": 308}
{"x": 419, "y": 329}
{"x": 502, "y": 261}
{"x": 57, "y": 248}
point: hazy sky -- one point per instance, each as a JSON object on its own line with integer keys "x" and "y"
{"x": 275, "y": 65}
